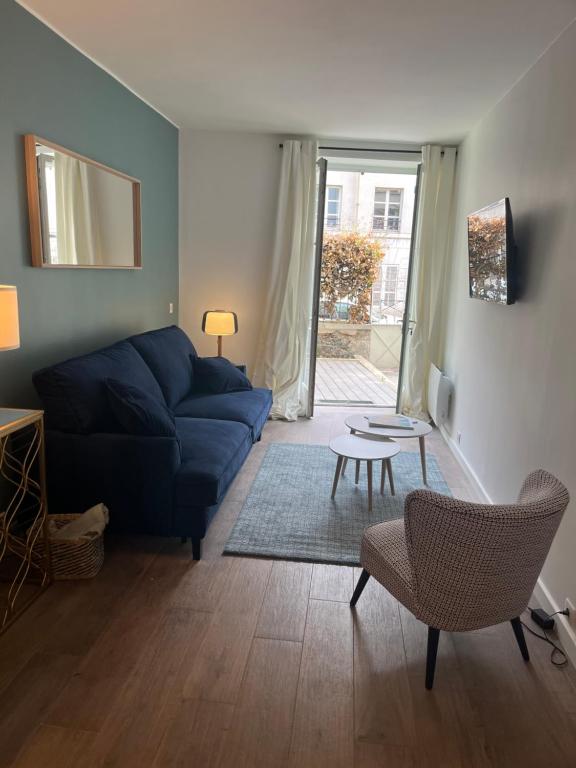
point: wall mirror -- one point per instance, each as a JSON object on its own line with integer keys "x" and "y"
{"x": 82, "y": 213}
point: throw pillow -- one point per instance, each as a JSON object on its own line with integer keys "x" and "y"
{"x": 217, "y": 375}
{"x": 138, "y": 412}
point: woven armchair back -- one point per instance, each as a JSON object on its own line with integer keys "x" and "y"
{"x": 476, "y": 565}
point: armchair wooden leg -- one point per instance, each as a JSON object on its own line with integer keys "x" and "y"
{"x": 520, "y": 639}
{"x": 364, "y": 576}
{"x": 433, "y": 638}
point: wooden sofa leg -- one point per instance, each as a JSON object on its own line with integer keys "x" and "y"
{"x": 433, "y": 637}
{"x": 364, "y": 576}
{"x": 520, "y": 639}
{"x": 196, "y": 548}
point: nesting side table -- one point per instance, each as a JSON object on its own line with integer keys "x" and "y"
{"x": 25, "y": 569}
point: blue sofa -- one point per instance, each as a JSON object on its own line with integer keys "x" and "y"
{"x": 166, "y": 486}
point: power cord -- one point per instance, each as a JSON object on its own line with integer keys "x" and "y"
{"x": 555, "y": 648}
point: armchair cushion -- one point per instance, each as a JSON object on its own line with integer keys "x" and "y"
{"x": 384, "y": 554}
{"x": 217, "y": 376}
{"x": 138, "y": 412}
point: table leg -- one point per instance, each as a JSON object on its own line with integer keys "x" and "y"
{"x": 357, "y": 478}
{"x": 389, "y": 465}
{"x": 369, "y": 471}
{"x": 382, "y": 476}
{"x": 352, "y": 432}
{"x": 337, "y": 475}
{"x": 423, "y": 458}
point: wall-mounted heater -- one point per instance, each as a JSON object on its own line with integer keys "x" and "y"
{"x": 439, "y": 395}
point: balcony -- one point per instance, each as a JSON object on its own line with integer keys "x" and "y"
{"x": 357, "y": 364}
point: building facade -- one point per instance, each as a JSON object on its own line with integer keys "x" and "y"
{"x": 380, "y": 205}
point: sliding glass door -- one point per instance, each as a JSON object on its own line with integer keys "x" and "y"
{"x": 365, "y": 216}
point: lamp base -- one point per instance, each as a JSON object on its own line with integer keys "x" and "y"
{"x": 219, "y": 346}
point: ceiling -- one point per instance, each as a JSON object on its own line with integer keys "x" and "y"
{"x": 416, "y": 70}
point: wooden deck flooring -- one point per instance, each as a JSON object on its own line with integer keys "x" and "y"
{"x": 345, "y": 381}
{"x": 230, "y": 662}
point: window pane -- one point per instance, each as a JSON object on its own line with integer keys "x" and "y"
{"x": 394, "y": 224}
{"x": 378, "y": 222}
{"x": 379, "y": 210}
{"x": 332, "y": 222}
{"x": 332, "y": 207}
{"x": 394, "y": 210}
{"x": 391, "y": 271}
{"x": 380, "y": 195}
{"x": 333, "y": 193}
{"x": 394, "y": 196}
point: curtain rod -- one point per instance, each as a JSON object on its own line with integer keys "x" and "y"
{"x": 367, "y": 149}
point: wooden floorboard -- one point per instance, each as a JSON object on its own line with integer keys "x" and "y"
{"x": 283, "y": 613}
{"x": 323, "y": 734}
{"x": 162, "y": 662}
{"x": 261, "y": 729}
{"x": 350, "y": 381}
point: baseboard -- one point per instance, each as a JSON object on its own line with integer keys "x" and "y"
{"x": 566, "y": 634}
{"x": 463, "y": 461}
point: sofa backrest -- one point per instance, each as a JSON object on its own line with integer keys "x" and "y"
{"x": 74, "y": 393}
{"x": 167, "y": 352}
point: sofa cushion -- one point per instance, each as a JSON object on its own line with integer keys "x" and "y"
{"x": 212, "y": 453}
{"x": 168, "y": 352}
{"x": 138, "y": 412}
{"x": 217, "y": 375}
{"x": 250, "y": 408}
{"x": 74, "y": 392}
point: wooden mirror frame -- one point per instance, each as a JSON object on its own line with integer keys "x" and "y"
{"x": 33, "y": 189}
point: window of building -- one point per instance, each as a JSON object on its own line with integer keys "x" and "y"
{"x": 387, "y": 206}
{"x": 333, "y": 207}
{"x": 390, "y": 285}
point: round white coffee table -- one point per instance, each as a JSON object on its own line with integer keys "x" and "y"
{"x": 364, "y": 449}
{"x": 359, "y": 424}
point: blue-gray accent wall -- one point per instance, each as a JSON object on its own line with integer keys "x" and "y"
{"x": 50, "y": 89}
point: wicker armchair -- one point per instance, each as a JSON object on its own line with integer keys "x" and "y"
{"x": 460, "y": 566}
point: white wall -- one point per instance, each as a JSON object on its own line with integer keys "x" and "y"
{"x": 228, "y": 195}
{"x": 514, "y": 368}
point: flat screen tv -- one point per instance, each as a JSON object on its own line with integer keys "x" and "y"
{"x": 491, "y": 253}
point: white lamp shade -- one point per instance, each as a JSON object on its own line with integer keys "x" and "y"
{"x": 9, "y": 326}
{"x": 218, "y": 322}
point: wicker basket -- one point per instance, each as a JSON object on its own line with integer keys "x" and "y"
{"x": 79, "y": 558}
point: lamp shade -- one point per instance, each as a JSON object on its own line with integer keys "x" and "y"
{"x": 218, "y": 322}
{"x": 9, "y": 326}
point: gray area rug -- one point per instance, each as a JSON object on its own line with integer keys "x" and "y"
{"x": 289, "y": 515}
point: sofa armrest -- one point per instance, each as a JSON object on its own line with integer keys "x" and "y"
{"x": 132, "y": 475}
{"x": 242, "y": 369}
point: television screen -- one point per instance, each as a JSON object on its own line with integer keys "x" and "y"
{"x": 491, "y": 253}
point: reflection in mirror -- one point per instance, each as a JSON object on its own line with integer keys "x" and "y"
{"x": 82, "y": 214}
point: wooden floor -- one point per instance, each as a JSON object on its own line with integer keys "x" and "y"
{"x": 161, "y": 662}
{"x": 346, "y": 381}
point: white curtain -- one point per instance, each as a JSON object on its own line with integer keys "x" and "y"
{"x": 284, "y": 346}
{"x": 77, "y": 234}
{"x": 429, "y": 270}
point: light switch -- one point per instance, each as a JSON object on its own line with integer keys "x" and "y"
{"x": 171, "y": 308}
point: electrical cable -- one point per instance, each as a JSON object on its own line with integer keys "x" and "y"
{"x": 555, "y": 648}
{"x": 565, "y": 612}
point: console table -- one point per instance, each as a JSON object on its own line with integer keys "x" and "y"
{"x": 25, "y": 569}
